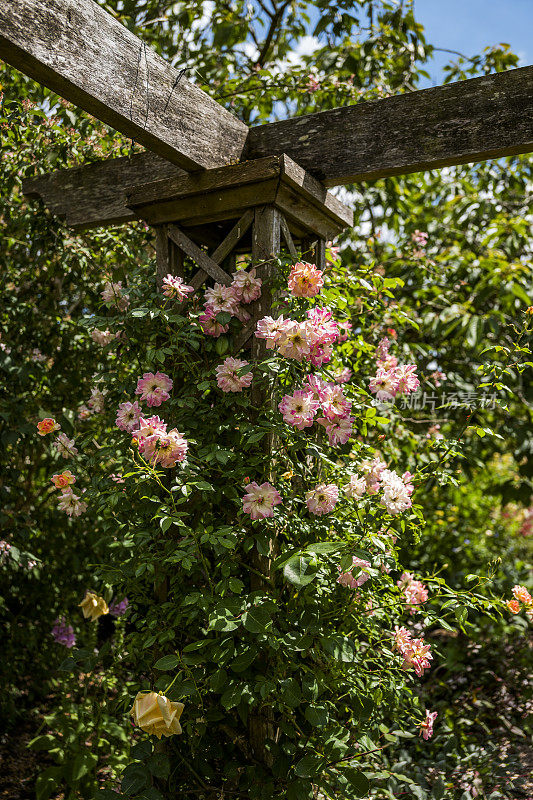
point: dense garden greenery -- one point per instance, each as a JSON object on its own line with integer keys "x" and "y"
{"x": 439, "y": 266}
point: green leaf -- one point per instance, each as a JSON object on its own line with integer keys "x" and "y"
{"x": 300, "y": 790}
{"x": 291, "y": 693}
{"x": 310, "y": 765}
{"x": 233, "y": 695}
{"x": 244, "y": 660}
{"x": 317, "y": 716}
{"x": 167, "y": 662}
{"x": 357, "y": 781}
{"x": 363, "y": 707}
{"x": 78, "y": 767}
{"x": 47, "y": 782}
{"x": 257, "y": 619}
{"x": 520, "y": 292}
{"x": 46, "y": 742}
{"x": 222, "y": 344}
{"x": 316, "y": 547}
{"x": 159, "y": 765}
{"x": 300, "y": 571}
{"x": 141, "y": 750}
{"x": 134, "y": 778}
{"x": 340, "y": 647}
{"x": 204, "y": 486}
{"x": 151, "y": 793}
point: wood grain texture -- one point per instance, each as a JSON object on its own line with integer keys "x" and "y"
{"x": 81, "y": 52}
{"x": 158, "y": 200}
{"x": 147, "y": 186}
{"x": 461, "y": 122}
{"x": 94, "y": 194}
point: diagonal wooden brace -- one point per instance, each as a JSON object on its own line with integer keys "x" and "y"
{"x": 197, "y": 254}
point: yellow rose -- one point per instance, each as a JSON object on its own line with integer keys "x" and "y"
{"x": 93, "y": 606}
{"x": 156, "y": 714}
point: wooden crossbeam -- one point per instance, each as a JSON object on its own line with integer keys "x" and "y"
{"x": 81, "y": 52}
{"x": 472, "y": 120}
{"x": 95, "y": 194}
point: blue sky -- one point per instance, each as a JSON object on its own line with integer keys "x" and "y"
{"x": 471, "y": 25}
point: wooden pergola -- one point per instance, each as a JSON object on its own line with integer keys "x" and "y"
{"x": 210, "y": 181}
{"x": 210, "y": 185}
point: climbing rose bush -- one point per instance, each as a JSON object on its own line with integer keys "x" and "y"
{"x": 270, "y": 544}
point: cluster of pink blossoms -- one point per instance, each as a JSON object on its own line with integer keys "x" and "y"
{"x": 154, "y": 389}
{"x": 433, "y": 432}
{"x": 521, "y": 595}
{"x": 305, "y": 280}
{"x": 228, "y": 375}
{"x": 349, "y": 580}
{"x": 300, "y": 407}
{"x": 415, "y": 652}
{"x": 175, "y": 288}
{"x": 309, "y": 340}
{"x": 414, "y": 591}
{"x": 392, "y": 379}
{"x": 95, "y": 404}
{"x": 397, "y": 490}
{"x": 259, "y": 500}
{"x": 65, "y": 446}
{"x": 69, "y": 502}
{"x": 420, "y": 238}
{"x": 244, "y": 289}
{"x": 157, "y": 445}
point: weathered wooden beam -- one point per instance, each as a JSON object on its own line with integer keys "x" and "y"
{"x": 81, "y": 52}
{"x": 221, "y": 193}
{"x": 95, "y": 194}
{"x": 472, "y": 120}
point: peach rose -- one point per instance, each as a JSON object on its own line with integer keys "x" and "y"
{"x": 513, "y": 606}
{"x": 63, "y": 479}
{"x": 156, "y": 714}
{"x": 47, "y": 425}
{"x": 93, "y": 606}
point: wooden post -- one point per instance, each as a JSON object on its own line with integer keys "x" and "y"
{"x": 169, "y": 257}
{"x": 266, "y": 244}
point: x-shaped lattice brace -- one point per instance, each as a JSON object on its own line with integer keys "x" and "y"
{"x": 281, "y": 204}
{"x": 172, "y": 244}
